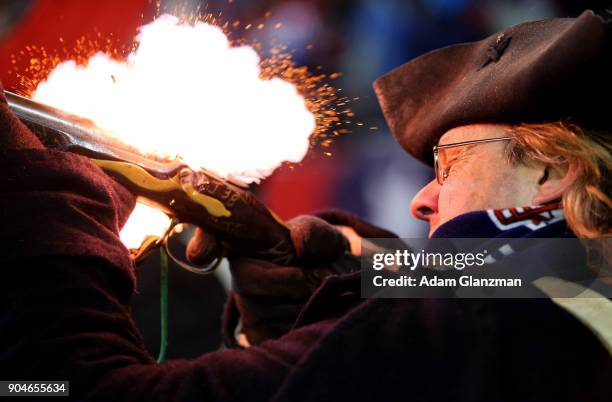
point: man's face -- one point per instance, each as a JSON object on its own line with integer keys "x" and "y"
{"x": 479, "y": 177}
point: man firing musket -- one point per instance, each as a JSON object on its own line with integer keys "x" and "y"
{"x": 516, "y": 132}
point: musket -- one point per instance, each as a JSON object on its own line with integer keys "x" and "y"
{"x": 233, "y": 215}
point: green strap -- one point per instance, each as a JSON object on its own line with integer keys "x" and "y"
{"x": 590, "y": 307}
{"x": 163, "y": 304}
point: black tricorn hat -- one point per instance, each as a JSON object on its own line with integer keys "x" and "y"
{"x": 540, "y": 71}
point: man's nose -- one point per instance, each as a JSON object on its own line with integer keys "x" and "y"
{"x": 425, "y": 202}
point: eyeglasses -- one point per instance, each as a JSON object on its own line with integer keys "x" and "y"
{"x": 440, "y": 164}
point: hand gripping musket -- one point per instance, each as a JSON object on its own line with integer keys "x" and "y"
{"x": 233, "y": 215}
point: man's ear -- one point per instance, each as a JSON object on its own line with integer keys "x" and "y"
{"x": 554, "y": 181}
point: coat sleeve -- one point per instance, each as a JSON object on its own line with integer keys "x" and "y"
{"x": 66, "y": 284}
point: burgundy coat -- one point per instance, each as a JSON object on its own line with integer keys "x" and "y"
{"x": 67, "y": 282}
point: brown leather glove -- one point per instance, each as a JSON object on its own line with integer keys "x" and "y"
{"x": 269, "y": 297}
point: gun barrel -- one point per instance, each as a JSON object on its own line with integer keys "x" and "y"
{"x": 232, "y": 214}
{"x": 62, "y": 130}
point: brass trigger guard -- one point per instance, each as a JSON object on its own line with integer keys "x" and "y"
{"x": 199, "y": 270}
{"x": 163, "y": 242}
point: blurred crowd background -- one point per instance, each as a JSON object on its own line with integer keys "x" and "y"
{"x": 367, "y": 174}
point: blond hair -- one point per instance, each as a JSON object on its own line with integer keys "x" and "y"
{"x": 587, "y": 204}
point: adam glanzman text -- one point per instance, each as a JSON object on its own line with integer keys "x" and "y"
{"x": 458, "y": 261}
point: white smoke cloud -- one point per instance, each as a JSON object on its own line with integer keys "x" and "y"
{"x": 185, "y": 91}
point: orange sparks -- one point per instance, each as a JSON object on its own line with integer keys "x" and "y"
{"x": 114, "y": 86}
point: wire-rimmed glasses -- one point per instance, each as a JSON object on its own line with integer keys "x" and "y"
{"x": 439, "y": 164}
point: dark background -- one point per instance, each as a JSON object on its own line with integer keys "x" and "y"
{"x": 368, "y": 173}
